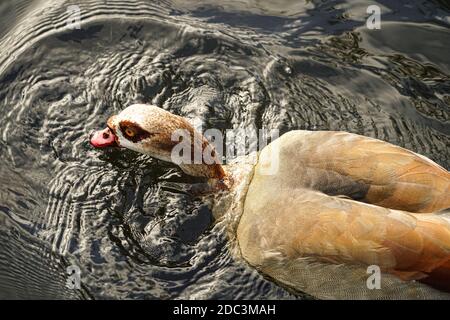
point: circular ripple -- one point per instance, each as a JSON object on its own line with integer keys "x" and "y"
{"x": 124, "y": 218}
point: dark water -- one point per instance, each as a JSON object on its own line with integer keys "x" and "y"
{"x": 284, "y": 64}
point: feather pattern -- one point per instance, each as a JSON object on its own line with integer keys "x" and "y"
{"x": 297, "y": 212}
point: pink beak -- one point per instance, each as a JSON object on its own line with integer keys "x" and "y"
{"x": 103, "y": 138}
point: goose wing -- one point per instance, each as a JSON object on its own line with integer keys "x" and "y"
{"x": 293, "y": 224}
{"x": 362, "y": 168}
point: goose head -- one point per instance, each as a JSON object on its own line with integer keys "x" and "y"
{"x": 148, "y": 129}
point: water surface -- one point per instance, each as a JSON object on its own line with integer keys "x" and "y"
{"x": 286, "y": 64}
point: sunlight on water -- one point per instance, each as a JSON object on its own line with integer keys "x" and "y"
{"x": 262, "y": 64}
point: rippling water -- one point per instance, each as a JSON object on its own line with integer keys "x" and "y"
{"x": 122, "y": 217}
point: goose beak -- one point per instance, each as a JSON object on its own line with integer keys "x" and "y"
{"x": 103, "y": 138}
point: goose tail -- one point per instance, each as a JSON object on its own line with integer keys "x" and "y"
{"x": 439, "y": 278}
{"x": 438, "y": 236}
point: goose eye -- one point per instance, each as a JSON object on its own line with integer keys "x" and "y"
{"x": 130, "y": 132}
{"x": 133, "y": 131}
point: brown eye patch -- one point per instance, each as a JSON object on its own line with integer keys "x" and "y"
{"x": 133, "y": 131}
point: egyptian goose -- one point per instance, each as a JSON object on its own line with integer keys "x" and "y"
{"x": 337, "y": 203}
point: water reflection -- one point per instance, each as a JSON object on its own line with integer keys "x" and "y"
{"x": 123, "y": 217}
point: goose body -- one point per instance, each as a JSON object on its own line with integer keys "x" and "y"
{"x": 337, "y": 204}
{"x": 302, "y": 226}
